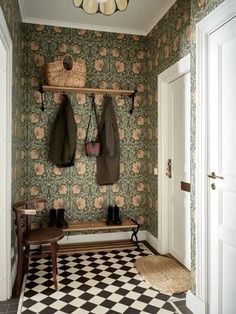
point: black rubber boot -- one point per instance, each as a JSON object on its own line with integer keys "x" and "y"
{"x": 61, "y": 223}
{"x": 117, "y": 220}
{"x": 110, "y": 215}
{"x": 52, "y": 218}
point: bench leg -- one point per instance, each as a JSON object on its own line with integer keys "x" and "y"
{"x": 26, "y": 259}
{"x": 134, "y": 236}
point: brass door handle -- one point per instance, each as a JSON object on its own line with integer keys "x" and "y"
{"x": 214, "y": 176}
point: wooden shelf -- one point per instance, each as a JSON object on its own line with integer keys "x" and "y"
{"x": 98, "y": 225}
{"x": 86, "y": 90}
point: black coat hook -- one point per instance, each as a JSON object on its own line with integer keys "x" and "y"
{"x": 42, "y": 97}
{"x": 132, "y": 96}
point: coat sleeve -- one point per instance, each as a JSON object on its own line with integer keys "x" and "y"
{"x": 110, "y": 138}
{"x": 71, "y": 130}
{"x": 110, "y": 133}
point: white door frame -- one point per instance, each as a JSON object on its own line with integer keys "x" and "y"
{"x": 5, "y": 166}
{"x": 198, "y": 303}
{"x": 172, "y": 73}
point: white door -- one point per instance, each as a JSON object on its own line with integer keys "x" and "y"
{"x": 179, "y": 152}
{"x": 3, "y": 233}
{"x": 222, "y": 161}
{"x": 5, "y": 159}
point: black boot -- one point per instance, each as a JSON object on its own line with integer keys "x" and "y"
{"x": 110, "y": 215}
{"x": 52, "y": 218}
{"x": 117, "y": 220}
{"x": 61, "y": 223}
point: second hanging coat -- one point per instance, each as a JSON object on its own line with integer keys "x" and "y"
{"x": 108, "y": 163}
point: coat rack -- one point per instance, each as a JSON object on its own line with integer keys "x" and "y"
{"x": 85, "y": 90}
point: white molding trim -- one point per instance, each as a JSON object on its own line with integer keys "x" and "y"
{"x": 91, "y": 27}
{"x": 153, "y": 241}
{"x": 6, "y": 111}
{"x": 172, "y": 73}
{"x": 141, "y": 32}
{"x": 209, "y": 24}
{"x": 97, "y": 237}
{"x": 196, "y": 305}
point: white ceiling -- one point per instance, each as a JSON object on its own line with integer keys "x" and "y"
{"x": 139, "y": 18}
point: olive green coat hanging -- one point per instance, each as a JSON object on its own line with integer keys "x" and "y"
{"x": 108, "y": 163}
{"x": 62, "y": 144}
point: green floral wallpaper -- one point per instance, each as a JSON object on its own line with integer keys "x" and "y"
{"x": 170, "y": 40}
{"x": 113, "y": 61}
{"x": 12, "y": 15}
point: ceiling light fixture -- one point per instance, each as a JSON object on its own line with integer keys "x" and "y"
{"x": 106, "y": 7}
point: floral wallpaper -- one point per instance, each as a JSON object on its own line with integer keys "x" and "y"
{"x": 170, "y": 40}
{"x": 12, "y": 15}
{"x": 116, "y": 61}
{"x": 113, "y": 61}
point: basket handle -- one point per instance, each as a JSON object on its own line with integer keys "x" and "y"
{"x": 68, "y": 62}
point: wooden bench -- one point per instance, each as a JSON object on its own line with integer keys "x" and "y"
{"x": 81, "y": 227}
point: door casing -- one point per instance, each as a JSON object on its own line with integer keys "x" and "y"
{"x": 198, "y": 302}
{"x": 6, "y": 164}
{"x": 172, "y": 73}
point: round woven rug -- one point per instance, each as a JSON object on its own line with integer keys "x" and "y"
{"x": 164, "y": 274}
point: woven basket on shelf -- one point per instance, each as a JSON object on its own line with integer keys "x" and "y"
{"x": 66, "y": 72}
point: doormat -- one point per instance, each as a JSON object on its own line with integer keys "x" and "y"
{"x": 164, "y": 274}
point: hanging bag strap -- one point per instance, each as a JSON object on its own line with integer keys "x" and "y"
{"x": 93, "y": 108}
{"x": 95, "y": 111}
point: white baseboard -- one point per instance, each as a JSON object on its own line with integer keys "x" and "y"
{"x": 153, "y": 241}
{"x": 161, "y": 248}
{"x": 13, "y": 271}
{"x": 196, "y": 305}
{"x": 85, "y": 238}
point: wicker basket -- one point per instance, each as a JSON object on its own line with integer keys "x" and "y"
{"x": 58, "y": 73}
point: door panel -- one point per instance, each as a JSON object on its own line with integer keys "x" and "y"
{"x": 222, "y": 156}
{"x": 228, "y": 262}
{"x": 179, "y": 148}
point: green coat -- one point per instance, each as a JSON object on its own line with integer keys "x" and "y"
{"x": 62, "y": 144}
{"x": 108, "y": 163}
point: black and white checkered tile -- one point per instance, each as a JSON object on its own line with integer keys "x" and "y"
{"x": 96, "y": 283}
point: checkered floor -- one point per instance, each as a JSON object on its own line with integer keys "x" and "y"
{"x": 95, "y": 283}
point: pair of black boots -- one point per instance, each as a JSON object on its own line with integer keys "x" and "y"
{"x": 113, "y": 215}
{"x": 57, "y": 218}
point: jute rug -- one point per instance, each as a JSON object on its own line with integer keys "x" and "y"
{"x": 164, "y": 274}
